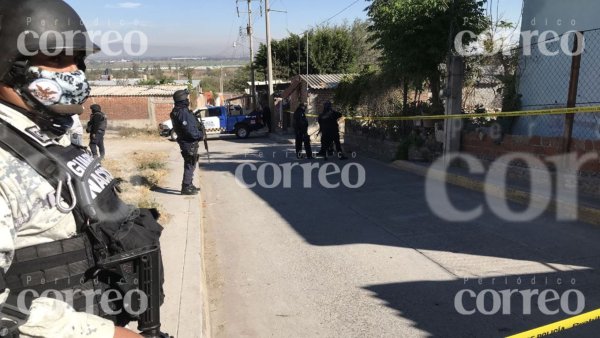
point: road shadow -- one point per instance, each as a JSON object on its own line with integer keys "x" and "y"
{"x": 432, "y": 305}
{"x": 166, "y": 191}
{"x": 391, "y": 209}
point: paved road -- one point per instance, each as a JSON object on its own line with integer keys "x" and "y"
{"x": 375, "y": 261}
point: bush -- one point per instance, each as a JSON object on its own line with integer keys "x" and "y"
{"x": 412, "y": 140}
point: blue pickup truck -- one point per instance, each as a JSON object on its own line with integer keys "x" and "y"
{"x": 221, "y": 120}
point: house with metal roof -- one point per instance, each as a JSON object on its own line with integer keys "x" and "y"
{"x": 313, "y": 89}
{"x": 134, "y": 106}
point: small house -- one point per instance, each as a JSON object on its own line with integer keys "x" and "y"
{"x": 133, "y": 106}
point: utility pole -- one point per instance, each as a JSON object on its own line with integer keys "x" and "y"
{"x": 578, "y": 46}
{"x": 252, "y": 80}
{"x": 270, "y": 64}
{"x": 307, "y": 87}
{"x": 221, "y": 80}
{"x": 452, "y": 127}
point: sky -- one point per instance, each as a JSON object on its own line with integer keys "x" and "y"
{"x": 212, "y": 28}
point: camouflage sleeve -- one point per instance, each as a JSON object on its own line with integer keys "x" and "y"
{"x": 7, "y": 240}
{"x": 8, "y": 234}
{"x": 50, "y": 318}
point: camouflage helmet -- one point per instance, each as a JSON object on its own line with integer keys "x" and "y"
{"x": 30, "y": 27}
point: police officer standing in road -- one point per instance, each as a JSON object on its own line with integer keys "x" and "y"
{"x": 301, "y": 131}
{"x": 187, "y": 127}
{"x": 330, "y": 131}
{"x": 97, "y": 129}
{"x": 266, "y": 115}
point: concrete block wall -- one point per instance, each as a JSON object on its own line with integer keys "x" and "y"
{"x": 364, "y": 145}
{"x": 542, "y": 147}
{"x": 131, "y": 111}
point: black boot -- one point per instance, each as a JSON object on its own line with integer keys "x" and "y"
{"x": 188, "y": 190}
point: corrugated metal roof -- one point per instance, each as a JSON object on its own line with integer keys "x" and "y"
{"x": 264, "y": 83}
{"x": 115, "y": 82}
{"x": 163, "y": 90}
{"x": 323, "y": 81}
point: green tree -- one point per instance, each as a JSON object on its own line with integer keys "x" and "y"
{"x": 189, "y": 73}
{"x": 289, "y": 57}
{"x": 149, "y": 82}
{"x": 416, "y": 36}
{"x": 210, "y": 84}
{"x": 136, "y": 69}
{"x": 332, "y": 49}
{"x": 367, "y": 55}
{"x": 238, "y": 82}
{"x": 156, "y": 71}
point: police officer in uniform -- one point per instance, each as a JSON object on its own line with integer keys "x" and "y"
{"x": 301, "y": 131}
{"x": 330, "y": 131}
{"x": 44, "y": 195}
{"x": 97, "y": 129}
{"x": 187, "y": 127}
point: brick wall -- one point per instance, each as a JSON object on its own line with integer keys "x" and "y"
{"x": 132, "y": 111}
{"x": 122, "y": 108}
{"x": 162, "y": 109}
{"x": 484, "y": 147}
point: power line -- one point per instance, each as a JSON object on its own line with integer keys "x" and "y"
{"x": 340, "y": 12}
{"x": 329, "y": 19}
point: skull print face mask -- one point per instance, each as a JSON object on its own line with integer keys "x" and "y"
{"x": 55, "y": 96}
{"x": 63, "y": 88}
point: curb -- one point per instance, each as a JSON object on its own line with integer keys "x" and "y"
{"x": 181, "y": 244}
{"x": 584, "y": 213}
{"x": 206, "y": 322}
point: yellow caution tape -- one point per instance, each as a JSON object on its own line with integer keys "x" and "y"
{"x": 560, "y": 326}
{"x": 557, "y": 111}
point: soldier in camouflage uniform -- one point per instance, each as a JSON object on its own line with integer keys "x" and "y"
{"x": 39, "y": 105}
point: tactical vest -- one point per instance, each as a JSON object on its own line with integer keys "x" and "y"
{"x": 105, "y": 225}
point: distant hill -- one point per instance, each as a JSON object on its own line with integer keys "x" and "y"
{"x": 162, "y": 51}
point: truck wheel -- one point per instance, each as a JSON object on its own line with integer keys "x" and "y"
{"x": 173, "y": 135}
{"x": 242, "y": 132}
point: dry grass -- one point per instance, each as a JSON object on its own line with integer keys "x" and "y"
{"x": 145, "y": 171}
{"x": 138, "y": 133}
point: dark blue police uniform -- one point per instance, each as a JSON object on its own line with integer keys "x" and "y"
{"x": 187, "y": 127}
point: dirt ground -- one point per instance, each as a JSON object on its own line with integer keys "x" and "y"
{"x": 119, "y": 148}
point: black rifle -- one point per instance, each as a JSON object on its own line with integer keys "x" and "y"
{"x": 203, "y": 130}
{"x": 146, "y": 264}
